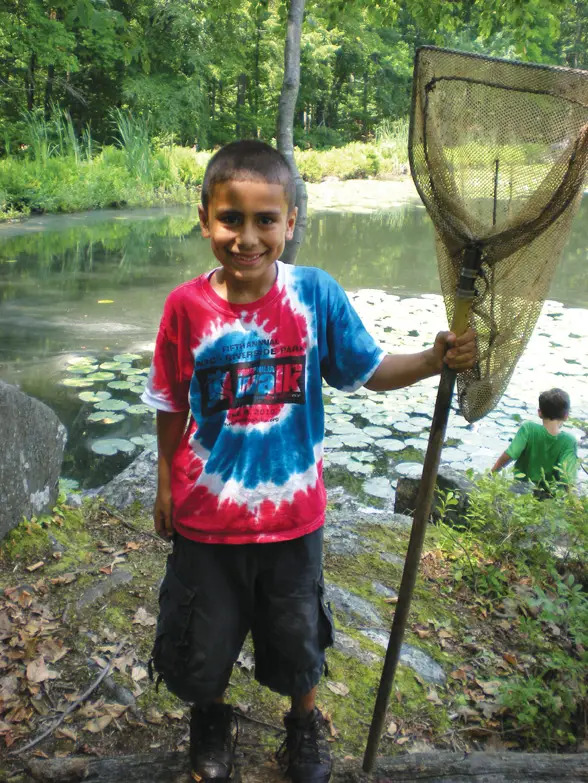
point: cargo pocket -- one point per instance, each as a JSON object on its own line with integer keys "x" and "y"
{"x": 171, "y": 651}
{"x": 327, "y": 627}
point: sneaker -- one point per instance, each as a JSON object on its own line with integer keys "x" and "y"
{"x": 305, "y": 752}
{"x": 211, "y": 743}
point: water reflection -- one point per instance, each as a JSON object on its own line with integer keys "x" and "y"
{"x": 94, "y": 284}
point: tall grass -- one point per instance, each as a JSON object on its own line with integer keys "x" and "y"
{"x": 61, "y": 170}
{"x": 134, "y": 139}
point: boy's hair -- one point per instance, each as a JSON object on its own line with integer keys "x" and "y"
{"x": 248, "y": 159}
{"x": 554, "y": 404}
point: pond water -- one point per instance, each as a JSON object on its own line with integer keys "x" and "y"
{"x": 81, "y": 297}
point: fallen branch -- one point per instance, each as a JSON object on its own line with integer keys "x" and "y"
{"x": 72, "y": 707}
{"x": 435, "y": 767}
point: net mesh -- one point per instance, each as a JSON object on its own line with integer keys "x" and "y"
{"x": 499, "y": 153}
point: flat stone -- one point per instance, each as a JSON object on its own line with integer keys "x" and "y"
{"x": 351, "y": 605}
{"x": 32, "y": 441}
{"x": 352, "y": 648}
{"x": 136, "y": 483}
{"x": 381, "y": 589}
{"x": 417, "y": 660}
{"x": 390, "y": 557}
{"x": 343, "y": 541}
{"x": 104, "y": 587}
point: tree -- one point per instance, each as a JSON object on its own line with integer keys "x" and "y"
{"x": 286, "y": 111}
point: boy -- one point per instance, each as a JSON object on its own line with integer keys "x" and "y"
{"x": 242, "y": 351}
{"x": 542, "y": 452}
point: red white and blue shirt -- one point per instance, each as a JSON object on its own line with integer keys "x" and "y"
{"x": 249, "y": 466}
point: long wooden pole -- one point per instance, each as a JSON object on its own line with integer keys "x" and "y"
{"x": 463, "y": 301}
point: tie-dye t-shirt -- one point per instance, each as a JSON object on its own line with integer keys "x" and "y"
{"x": 249, "y": 467}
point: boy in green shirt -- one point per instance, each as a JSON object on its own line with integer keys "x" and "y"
{"x": 542, "y": 452}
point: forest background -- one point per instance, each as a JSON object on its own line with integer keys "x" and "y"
{"x": 93, "y": 79}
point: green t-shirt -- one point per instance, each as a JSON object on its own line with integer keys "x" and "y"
{"x": 539, "y": 454}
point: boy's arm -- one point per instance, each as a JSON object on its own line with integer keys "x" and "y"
{"x": 170, "y": 428}
{"x": 398, "y": 370}
{"x": 503, "y": 460}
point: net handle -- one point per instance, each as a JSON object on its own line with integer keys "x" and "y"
{"x": 463, "y": 301}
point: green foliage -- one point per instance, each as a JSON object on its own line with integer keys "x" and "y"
{"x": 531, "y": 554}
{"x": 209, "y": 72}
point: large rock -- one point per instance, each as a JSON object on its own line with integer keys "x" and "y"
{"x": 137, "y": 483}
{"x": 32, "y": 441}
{"x": 447, "y": 479}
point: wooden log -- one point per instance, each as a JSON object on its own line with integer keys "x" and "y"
{"x": 437, "y": 767}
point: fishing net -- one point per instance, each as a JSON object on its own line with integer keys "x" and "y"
{"x": 498, "y": 152}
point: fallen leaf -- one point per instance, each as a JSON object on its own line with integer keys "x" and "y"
{"x": 64, "y": 579}
{"x": 179, "y": 713}
{"x": 391, "y": 730}
{"x": 138, "y": 673}
{"x": 105, "y": 301}
{"x": 64, "y": 733}
{"x": 133, "y": 545}
{"x": 142, "y": 617}
{"x": 338, "y": 687}
{"x": 458, "y": 674}
{"x": 443, "y": 634}
{"x": 37, "y": 671}
{"x": 98, "y": 724}
{"x": 490, "y": 687}
{"x": 510, "y": 658}
{"x": 153, "y": 716}
{"x": 433, "y": 697}
{"x": 34, "y": 567}
{"x": 402, "y": 740}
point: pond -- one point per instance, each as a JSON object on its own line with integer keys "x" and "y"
{"x": 81, "y": 296}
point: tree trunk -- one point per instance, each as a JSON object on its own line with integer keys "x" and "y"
{"x": 286, "y": 109}
{"x": 435, "y": 767}
{"x": 240, "y": 129}
{"x": 49, "y": 90}
{"x": 365, "y": 104}
{"x": 30, "y": 82}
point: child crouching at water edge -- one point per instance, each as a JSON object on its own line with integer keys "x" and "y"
{"x": 237, "y": 382}
{"x": 543, "y": 453}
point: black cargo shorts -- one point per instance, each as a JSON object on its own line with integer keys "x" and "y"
{"x": 212, "y": 595}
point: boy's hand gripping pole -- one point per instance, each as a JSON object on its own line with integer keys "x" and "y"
{"x": 465, "y": 293}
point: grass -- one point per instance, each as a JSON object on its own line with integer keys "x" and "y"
{"x": 58, "y": 170}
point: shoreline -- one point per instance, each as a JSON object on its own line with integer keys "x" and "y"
{"x": 344, "y": 195}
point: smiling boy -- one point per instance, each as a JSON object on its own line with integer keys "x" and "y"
{"x": 241, "y": 352}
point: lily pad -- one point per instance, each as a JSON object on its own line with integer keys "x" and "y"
{"x": 379, "y": 487}
{"x": 112, "y": 365}
{"x": 101, "y": 376}
{"x": 112, "y": 405}
{"x": 139, "y": 409}
{"x": 82, "y": 369}
{"x": 110, "y": 446}
{"x": 120, "y": 385}
{"x": 130, "y": 371}
{"x": 137, "y": 389}
{"x": 77, "y": 383}
{"x": 390, "y": 444}
{"x": 126, "y": 357}
{"x": 144, "y": 440}
{"x": 377, "y": 432}
{"x": 105, "y": 417}
{"x": 89, "y": 396}
{"x": 409, "y": 469}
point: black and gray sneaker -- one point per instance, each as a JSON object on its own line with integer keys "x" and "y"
{"x": 305, "y": 753}
{"x": 211, "y": 743}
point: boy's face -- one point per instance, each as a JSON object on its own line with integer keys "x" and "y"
{"x": 248, "y": 224}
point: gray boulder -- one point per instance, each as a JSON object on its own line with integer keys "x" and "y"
{"x": 32, "y": 439}
{"x": 447, "y": 479}
{"x": 136, "y": 483}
